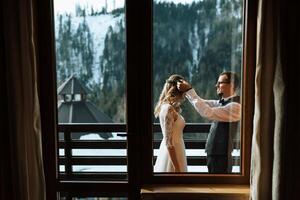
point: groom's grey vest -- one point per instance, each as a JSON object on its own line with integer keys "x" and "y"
{"x": 220, "y": 137}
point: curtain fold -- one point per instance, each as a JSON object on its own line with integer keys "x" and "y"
{"x": 268, "y": 130}
{"x": 23, "y": 115}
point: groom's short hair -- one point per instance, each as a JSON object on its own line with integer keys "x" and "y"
{"x": 232, "y": 77}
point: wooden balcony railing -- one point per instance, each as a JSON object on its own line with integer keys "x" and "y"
{"x": 69, "y": 160}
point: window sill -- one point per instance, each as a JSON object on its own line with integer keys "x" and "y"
{"x": 195, "y": 191}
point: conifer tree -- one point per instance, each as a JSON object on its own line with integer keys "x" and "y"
{"x": 84, "y": 51}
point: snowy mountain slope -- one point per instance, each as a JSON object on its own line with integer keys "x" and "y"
{"x": 98, "y": 26}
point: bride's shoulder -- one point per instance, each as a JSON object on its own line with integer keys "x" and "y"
{"x": 165, "y": 105}
{"x": 167, "y": 109}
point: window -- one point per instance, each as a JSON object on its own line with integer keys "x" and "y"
{"x": 136, "y": 118}
{"x": 242, "y": 57}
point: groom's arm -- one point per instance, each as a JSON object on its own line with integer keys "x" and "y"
{"x": 191, "y": 95}
{"x": 210, "y": 109}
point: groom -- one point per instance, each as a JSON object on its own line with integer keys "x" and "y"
{"x": 225, "y": 113}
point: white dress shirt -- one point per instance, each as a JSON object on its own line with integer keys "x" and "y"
{"x": 213, "y": 110}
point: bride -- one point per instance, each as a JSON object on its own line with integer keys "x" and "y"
{"x": 171, "y": 155}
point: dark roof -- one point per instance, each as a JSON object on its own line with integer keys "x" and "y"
{"x": 72, "y": 86}
{"x": 81, "y": 112}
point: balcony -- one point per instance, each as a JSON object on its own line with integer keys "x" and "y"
{"x": 88, "y": 159}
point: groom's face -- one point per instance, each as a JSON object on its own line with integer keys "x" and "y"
{"x": 224, "y": 87}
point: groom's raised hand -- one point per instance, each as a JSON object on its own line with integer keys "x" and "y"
{"x": 183, "y": 86}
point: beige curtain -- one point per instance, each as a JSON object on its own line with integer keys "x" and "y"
{"x": 24, "y": 164}
{"x": 268, "y": 131}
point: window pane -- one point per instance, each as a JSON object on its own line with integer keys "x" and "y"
{"x": 199, "y": 39}
{"x": 90, "y": 71}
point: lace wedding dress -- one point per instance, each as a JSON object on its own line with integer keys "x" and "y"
{"x": 172, "y": 124}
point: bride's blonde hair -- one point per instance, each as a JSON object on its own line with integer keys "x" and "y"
{"x": 170, "y": 94}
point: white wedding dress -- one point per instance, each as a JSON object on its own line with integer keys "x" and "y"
{"x": 172, "y": 131}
